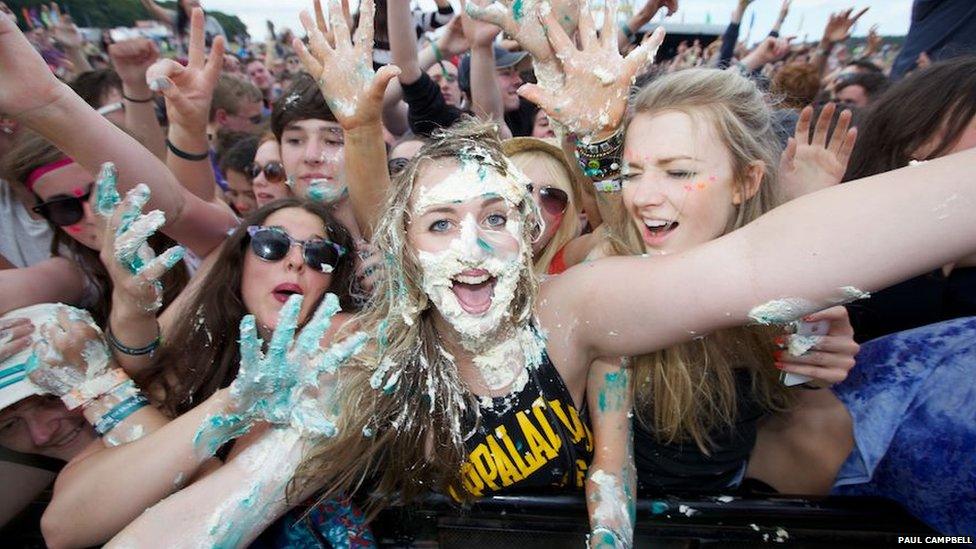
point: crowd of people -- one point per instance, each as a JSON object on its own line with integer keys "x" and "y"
{"x": 510, "y": 249}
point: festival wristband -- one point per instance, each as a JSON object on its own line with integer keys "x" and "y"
{"x": 612, "y": 185}
{"x": 132, "y": 351}
{"x": 185, "y": 155}
{"x": 93, "y": 388}
{"x": 600, "y": 160}
{"x": 119, "y": 413}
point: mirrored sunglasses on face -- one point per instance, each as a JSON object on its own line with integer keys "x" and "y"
{"x": 552, "y": 199}
{"x": 273, "y": 244}
{"x": 274, "y": 171}
{"x": 63, "y": 209}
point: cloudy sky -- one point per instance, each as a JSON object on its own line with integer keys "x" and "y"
{"x": 807, "y": 17}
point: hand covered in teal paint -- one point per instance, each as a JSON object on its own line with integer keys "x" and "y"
{"x": 282, "y": 386}
{"x": 131, "y": 262}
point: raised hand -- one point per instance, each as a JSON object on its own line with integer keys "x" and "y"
{"x": 65, "y": 31}
{"x": 131, "y": 263}
{"x": 15, "y": 336}
{"x": 477, "y": 31}
{"x": 69, "y": 352}
{"x": 839, "y": 25}
{"x": 593, "y": 95}
{"x": 28, "y": 84}
{"x": 808, "y": 163}
{"x": 282, "y": 386}
{"x": 188, "y": 90}
{"x": 827, "y": 358}
{"x": 453, "y": 41}
{"x": 769, "y": 50}
{"x": 132, "y": 58}
{"x": 343, "y": 67}
{"x": 874, "y": 41}
{"x": 518, "y": 19}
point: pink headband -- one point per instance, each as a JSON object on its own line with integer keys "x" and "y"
{"x": 41, "y": 171}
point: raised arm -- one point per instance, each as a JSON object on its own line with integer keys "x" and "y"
{"x": 159, "y": 13}
{"x": 641, "y": 18}
{"x": 189, "y": 91}
{"x": 54, "y": 280}
{"x": 611, "y": 482}
{"x": 131, "y": 59}
{"x": 356, "y": 101}
{"x": 50, "y": 108}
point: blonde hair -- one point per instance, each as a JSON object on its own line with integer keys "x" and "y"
{"x": 556, "y": 169}
{"x": 401, "y": 401}
{"x": 685, "y": 392}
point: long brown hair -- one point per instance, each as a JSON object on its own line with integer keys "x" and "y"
{"x": 31, "y": 151}
{"x": 201, "y": 354}
{"x": 688, "y": 391}
{"x": 403, "y": 403}
{"x": 941, "y": 97}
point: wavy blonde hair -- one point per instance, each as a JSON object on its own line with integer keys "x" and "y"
{"x": 543, "y": 152}
{"x": 687, "y": 391}
{"x": 402, "y": 406}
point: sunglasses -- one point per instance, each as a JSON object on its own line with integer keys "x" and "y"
{"x": 63, "y": 209}
{"x": 273, "y": 243}
{"x": 552, "y": 200}
{"x": 274, "y": 171}
{"x": 397, "y": 165}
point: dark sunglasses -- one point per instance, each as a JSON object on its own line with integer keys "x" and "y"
{"x": 274, "y": 171}
{"x": 552, "y": 199}
{"x": 397, "y": 165}
{"x": 63, "y": 209}
{"x": 273, "y": 243}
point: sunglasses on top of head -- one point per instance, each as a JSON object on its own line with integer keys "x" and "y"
{"x": 274, "y": 171}
{"x": 273, "y": 244}
{"x": 552, "y": 199}
{"x": 64, "y": 209}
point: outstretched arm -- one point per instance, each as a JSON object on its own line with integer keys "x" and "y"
{"x": 159, "y": 13}
{"x": 784, "y": 265}
{"x": 50, "y": 108}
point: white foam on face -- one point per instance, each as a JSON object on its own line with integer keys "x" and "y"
{"x": 469, "y": 182}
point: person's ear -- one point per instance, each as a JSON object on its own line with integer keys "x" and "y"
{"x": 220, "y": 116}
{"x": 750, "y": 185}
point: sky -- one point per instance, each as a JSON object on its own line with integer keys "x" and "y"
{"x": 807, "y": 17}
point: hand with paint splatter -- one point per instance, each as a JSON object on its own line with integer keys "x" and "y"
{"x": 828, "y": 357}
{"x": 593, "y": 96}
{"x": 518, "y": 19}
{"x": 283, "y": 386}
{"x": 189, "y": 89}
{"x": 131, "y": 263}
{"x": 68, "y": 353}
{"x": 811, "y": 162}
{"x": 343, "y": 68}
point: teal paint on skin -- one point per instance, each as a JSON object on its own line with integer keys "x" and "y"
{"x": 518, "y": 10}
{"x": 659, "y": 508}
{"x": 173, "y": 256}
{"x": 320, "y": 193}
{"x": 106, "y": 191}
{"x": 614, "y": 389}
{"x": 484, "y": 245}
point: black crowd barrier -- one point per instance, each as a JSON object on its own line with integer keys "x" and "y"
{"x": 699, "y": 521}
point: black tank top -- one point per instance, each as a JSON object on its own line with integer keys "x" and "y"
{"x": 534, "y": 439}
{"x": 683, "y": 466}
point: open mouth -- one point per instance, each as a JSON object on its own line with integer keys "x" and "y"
{"x": 474, "y": 290}
{"x": 656, "y": 230}
{"x": 283, "y": 291}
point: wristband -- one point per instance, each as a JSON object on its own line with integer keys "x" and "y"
{"x": 608, "y": 185}
{"x": 600, "y": 161}
{"x": 119, "y": 413}
{"x": 185, "y": 155}
{"x": 132, "y": 351}
{"x": 93, "y": 388}
{"x": 134, "y": 100}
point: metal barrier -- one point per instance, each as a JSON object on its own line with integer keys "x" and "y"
{"x": 687, "y": 521}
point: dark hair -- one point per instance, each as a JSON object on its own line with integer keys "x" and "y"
{"x": 302, "y": 101}
{"x": 940, "y": 98}
{"x": 868, "y": 66}
{"x": 93, "y": 85}
{"x": 874, "y": 84}
{"x": 204, "y": 355}
{"x": 31, "y": 151}
{"x": 240, "y": 154}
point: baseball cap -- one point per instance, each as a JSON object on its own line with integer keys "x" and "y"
{"x": 503, "y": 60}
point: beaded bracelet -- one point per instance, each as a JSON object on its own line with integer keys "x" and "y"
{"x": 185, "y": 155}
{"x": 600, "y": 161}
